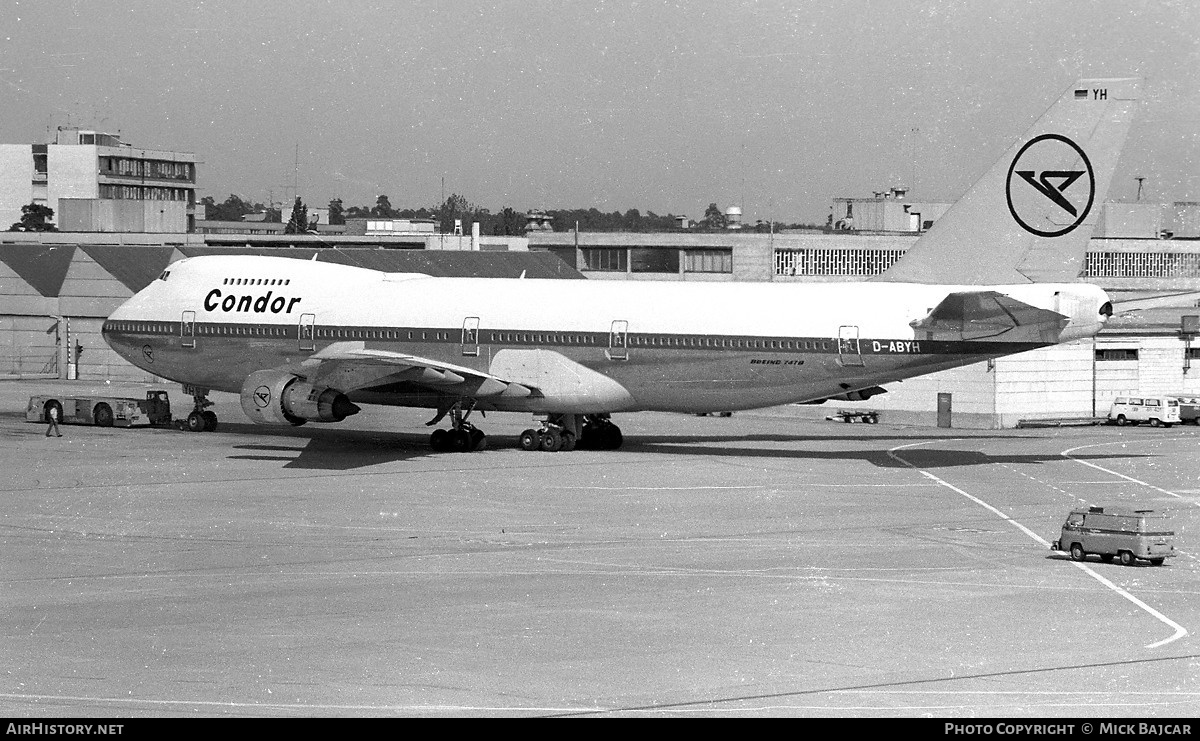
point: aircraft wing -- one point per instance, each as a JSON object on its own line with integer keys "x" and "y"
{"x": 989, "y": 316}
{"x": 350, "y": 366}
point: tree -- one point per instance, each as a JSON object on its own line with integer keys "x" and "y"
{"x": 337, "y": 214}
{"x": 209, "y": 204}
{"x": 510, "y": 223}
{"x": 233, "y": 209}
{"x": 713, "y": 218}
{"x": 456, "y": 207}
{"x": 35, "y": 218}
{"x": 298, "y": 223}
{"x": 383, "y": 208}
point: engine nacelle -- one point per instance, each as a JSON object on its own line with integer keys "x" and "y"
{"x": 273, "y": 398}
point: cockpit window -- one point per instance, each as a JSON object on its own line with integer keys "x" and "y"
{"x": 164, "y": 275}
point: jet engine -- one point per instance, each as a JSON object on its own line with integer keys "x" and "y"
{"x": 274, "y": 398}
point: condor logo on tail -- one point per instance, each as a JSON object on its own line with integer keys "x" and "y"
{"x": 1054, "y": 187}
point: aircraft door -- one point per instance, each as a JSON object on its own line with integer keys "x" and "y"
{"x": 307, "y": 332}
{"x": 618, "y": 340}
{"x": 187, "y": 329}
{"x": 849, "y": 352}
{"x": 470, "y": 336}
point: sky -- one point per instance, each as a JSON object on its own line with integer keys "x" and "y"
{"x": 777, "y": 107}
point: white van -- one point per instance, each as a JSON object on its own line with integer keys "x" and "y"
{"x": 1157, "y": 410}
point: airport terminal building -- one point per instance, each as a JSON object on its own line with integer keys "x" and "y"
{"x": 56, "y": 289}
{"x": 94, "y": 182}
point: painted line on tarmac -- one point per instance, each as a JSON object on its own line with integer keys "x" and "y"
{"x": 1180, "y": 631}
{"x": 303, "y": 707}
{"x": 661, "y": 488}
{"x": 1067, "y": 454}
{"x": 1178, "y": 495}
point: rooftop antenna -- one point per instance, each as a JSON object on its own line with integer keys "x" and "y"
{"x": 915, "y": 133}
{"x": 742, "y": 199}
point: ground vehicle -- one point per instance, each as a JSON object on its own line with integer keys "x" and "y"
{"x": 1189, "y": 408}
{"x": 103, "y": 411}
{"x": 1128, "y": 534}
{"x": 1157, "y": 410}
{"x": 849, "y": 415}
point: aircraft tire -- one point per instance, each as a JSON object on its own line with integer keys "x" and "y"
{"x": 438, "y": 441}
{"x": 195, "y": 422}
{"x": 210, "y": 421}
{"x": 460, "y": 440}
{"x": 478, "y": 440}
{"x": 551, "y": 441}
{"x": 530, "y": 440}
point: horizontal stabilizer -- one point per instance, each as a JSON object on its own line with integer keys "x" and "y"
{"x": 990, "y": 316}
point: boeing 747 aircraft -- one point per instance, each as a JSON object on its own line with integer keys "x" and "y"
{"x": 310, "y": 341}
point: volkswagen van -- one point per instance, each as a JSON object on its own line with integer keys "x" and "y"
{"x": 1108, "y": 532}
{"x": 1157, "y": 410}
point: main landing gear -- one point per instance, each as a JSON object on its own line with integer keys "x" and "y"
{"x": 571, "y": 431}
{"x": 201, "y": 419}
{"x": 462, "y": 437}
{"x": 556, "y": 432}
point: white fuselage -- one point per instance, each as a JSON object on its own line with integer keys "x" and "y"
{"x": 584, "y": 346}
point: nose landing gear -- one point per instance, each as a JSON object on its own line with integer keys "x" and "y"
{"x": 201, "y": 419}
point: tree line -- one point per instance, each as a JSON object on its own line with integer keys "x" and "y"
{"x": 506, "y": 222}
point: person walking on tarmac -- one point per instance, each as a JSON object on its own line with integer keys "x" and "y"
{"x": 52, "y": 418}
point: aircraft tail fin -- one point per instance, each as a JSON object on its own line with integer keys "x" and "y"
{"x": 1029, "y": 219}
